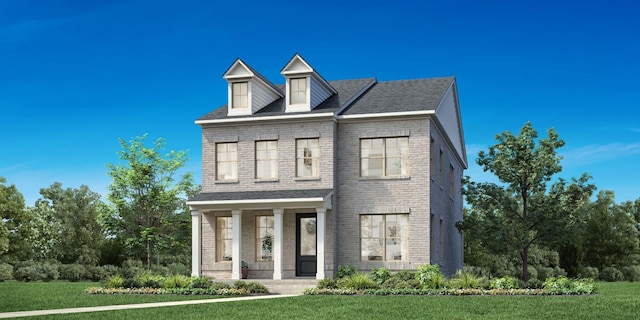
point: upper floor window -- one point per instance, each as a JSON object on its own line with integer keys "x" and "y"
{"x": 451, "y": 181}
{"x": 227, "y": 161}
{"x": 224, "y": 239}
{"x": 307, "y": 158}
{"x": 264, "y": 238}
{"x": 266, "y": 159}
{"x": 239, "y": 95}
{"x": 441, "y": 168}
{"x": 298, "y": 90}
{"x": 384, "y": 157}
{"x": 384, "y": 237}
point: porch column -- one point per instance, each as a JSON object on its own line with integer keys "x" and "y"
{"x": 196, "y": 243}
{"x": 321, "y": 222}
{"x": 277, "y": 243}
{"x": 236, "y": 234}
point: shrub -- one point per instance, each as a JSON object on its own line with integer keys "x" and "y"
{"x": 504, "y": 283}
{"x": 6, "y": 271}
{"x": 462, "y": 280}
{"x": 94, "y": 273}
{"x": 611, "y": 274}
{"x": 131, "y": 268}
{"x": 478, "y": 271}
{"x": 631, "y": 273}
{"x": 345, "y": 271}
{"x": 161, "y": 270}
{"x": 219, "y": 285}
{"x": 429, "y": 276}
{"x": 200, "y": 282}
{"x": 405, "y": 275}
{"x": 380, "y": 275}
{"x": 113, "y": 282}
{"x": 545, "y": 273}
{"x": 559, "y": 272}
{"x": 176, "y": 281}
{"x": 131, "y": 283}
{"x": 49, "y": 271}
{"x": 533, "y": 284}
{"x": 533, "y": 273}
{"x": 589, "y": 272}
{"x": 149, "y": 280}
{"x": 399, "y": 283}
{"x": 178, "y": 268}
{"x": 256, "y": 287}
{"x": 31, "y": 271}
{"x": 327, "y": 284}
{"x": 72, "y": 272}
{"x": 109, "y": 270}
{"x": 358, "y": 281}
{"x": 563, "y": 285}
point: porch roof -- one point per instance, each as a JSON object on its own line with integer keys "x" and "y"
{"x": 283, "y": 199}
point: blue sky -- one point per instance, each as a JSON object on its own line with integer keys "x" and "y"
{"x": 77, "y": 75}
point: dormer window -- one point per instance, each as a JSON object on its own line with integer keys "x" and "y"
{"x": 298, "y": 91}
{"x": 240, "y": 95}
{"x": 305, "y": 88}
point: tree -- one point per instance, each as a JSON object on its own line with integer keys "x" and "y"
{"x": 145, "y": 195}
{"x": 79, "y": 236}
{"x": 45, "y": 229}
{"x": 14, "y": 223}
{"x": 525, "y": 209}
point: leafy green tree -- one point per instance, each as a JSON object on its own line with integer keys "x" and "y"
{"x": 76, "y": 218}
{"x": 525, "y": 209}
{"x": 45, "y": 229}
{"x": 146, "y": 196}
{"x": 14, "y": 224}
{"x": 611, "y": 234}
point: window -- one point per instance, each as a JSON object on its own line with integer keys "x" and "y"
{"x": 384, "y": 157}
{"x": 266, "y": 159}
{"x": 307, "y": 159}
{"x": 451, "y": 182}
{"x": 239, "y": 95}
{"x": 441, "y": 241}
{"x": 264, "y": 238}
{"x": 432, "y": 164}
{"x": 227, "y": 161}
{"x": 224, "y": 240}
{"x": 440, "y": 165}
{"x": 384, "y": 237}
{"x": 298, "y": 91}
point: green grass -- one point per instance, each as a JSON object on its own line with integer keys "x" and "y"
{"x": 613, "y": 301}
{"x": 22, "y": 296}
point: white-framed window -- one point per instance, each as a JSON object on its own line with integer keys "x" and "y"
{"x": 267, "y": 159}
{"x": 432, "y": 162}
{"x": 239, "y": 95}
{"x": 384, "y": 237}
{"x": 297, "y": 90}
{"x": 227, "y": 161}
{"x": 307, "y": 157}
{"x": 264, "y": 238}
{"x": 224, "y": 238}
{"x": 384, "y": 157}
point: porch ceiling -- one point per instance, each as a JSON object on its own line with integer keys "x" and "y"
{"x": 252, "y": 200}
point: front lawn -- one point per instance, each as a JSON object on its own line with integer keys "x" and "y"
{"x": 612, "y": 301}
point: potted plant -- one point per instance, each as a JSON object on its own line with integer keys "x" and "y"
{"x": 244, "y": 266}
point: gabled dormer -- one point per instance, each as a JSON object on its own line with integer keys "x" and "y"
{"x": 249, "y": 91}
{"x": 305, "y": 88}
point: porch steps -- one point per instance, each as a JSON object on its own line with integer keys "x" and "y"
{"x": 284, "y": 286}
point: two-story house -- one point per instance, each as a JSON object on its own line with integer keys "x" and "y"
{"x": 300, "y": 178}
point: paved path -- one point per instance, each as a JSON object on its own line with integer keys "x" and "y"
{"x": 17, "y": 314}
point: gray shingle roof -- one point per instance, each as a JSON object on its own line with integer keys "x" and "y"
{"x": 402, "y": 95}
{"x": 262, "y": 195}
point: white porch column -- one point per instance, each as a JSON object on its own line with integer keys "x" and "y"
{"x": 236, "y": 233}
{"x": 196, "y": 243}
{"x": 278, "y": 237}
{"x": 321, "y": 222}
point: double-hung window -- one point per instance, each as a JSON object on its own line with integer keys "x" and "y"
{"x": 307, "y": 158}
{"x": 239, "y": 95}
{"x": 384, "y": 157}
{"x": 267, "y": 159}
{"x": 384, "y": 237}
{"x": 264, "y": 238}
{"x": 224, "y": 239}
{"x": 298, "y": 90}
{"x": 227, "y": 161}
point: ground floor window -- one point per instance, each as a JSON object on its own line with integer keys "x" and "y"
{"x": 224, "y": 238}
{"x": 384, "y": 237}
{"x": 264, "y": 238}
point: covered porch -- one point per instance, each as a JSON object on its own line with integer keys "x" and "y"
{"x": 228, "y": 228}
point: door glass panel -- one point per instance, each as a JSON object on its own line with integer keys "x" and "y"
{"x": 307, "y": 236}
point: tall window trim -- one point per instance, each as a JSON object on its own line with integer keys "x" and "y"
{"x": 264, "y": 238}
{"x": 384, "y": 237}
{"x": 451, "y": 180}
{"x": 266, "y": 159}
{"x": 298, "y": 91}
{"x": 227, "y": 161}
{"x": 440, "y": 168}
{"x": 384, "y": 157}
{"x": 239, "y": 95}
{"x": 308, "y": 157}
{"x": 224, "y": 238}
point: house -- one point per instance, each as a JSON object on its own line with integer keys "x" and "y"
{"x": 301, "y": 178}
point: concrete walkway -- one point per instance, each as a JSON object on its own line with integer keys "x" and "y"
{"x": 32, "y": 313}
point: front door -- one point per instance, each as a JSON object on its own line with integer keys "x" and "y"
{"x": 306, "y": 244}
